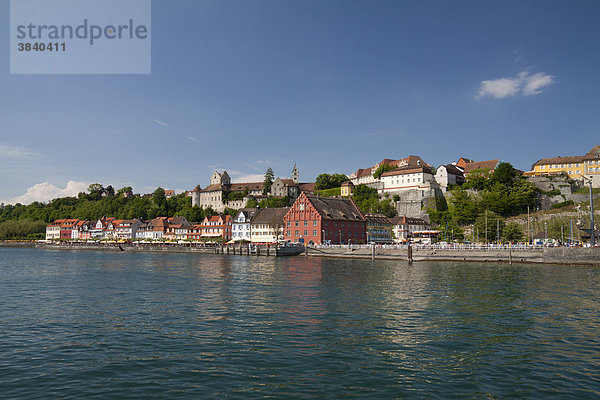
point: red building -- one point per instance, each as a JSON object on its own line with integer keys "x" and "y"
{"x": 217, "y": 226}
{"x": 324, "y": 220}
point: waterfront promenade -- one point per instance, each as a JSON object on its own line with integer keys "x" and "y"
{"x": 465, "y": 253}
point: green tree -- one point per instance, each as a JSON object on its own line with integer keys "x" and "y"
{"x": 463, "y": 207}
{"x": 329, "y": 181}
{"x": 478, "y": 179}
{"x": 96, "y": 190}
{"x": 512, "y": 232}
{"x": 504, "y": 174}
{"x": 124, "y": 190}
{"x": 382, "y": 169}
{"x": 489, "y": 223}
{"x": 269, "y": 177}
{"x": 251, "y": 203}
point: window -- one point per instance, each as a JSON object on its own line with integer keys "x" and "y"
{"x": 315, "y": 223}
{"x": 314, "y": 232}
{"x": 305, "y": 223}
{"x": 289, "y": 223}
{"x": 297, "y": 223}
{"x": 305, "y": 232}
{"x": 288, "y": 233}
{"x": 296, "y": 232}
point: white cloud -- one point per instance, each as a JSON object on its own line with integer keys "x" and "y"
{"x": 161, "y": 123}
{"x": 193, "y": 139}
{"x": 15, "y": 152}
{"x": 524, "y": 83}
{"x": 47, "y": 191}
{"x": 535, "y": 82}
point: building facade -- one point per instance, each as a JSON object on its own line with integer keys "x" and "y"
{"x": 407, "y": 178}
{"x": 267, "y": 226}
{"x": 404, "y": 227}
{"x": 324, "y": 220}
{"x": 379, "y": 228}
{"x": 447, "y": 175}
{"x": 241, "y": 224}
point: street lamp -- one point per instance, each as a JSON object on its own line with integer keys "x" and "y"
{"x": 592, "y": 225}
{"x": 323, "y": 232}
{"x": 546, "y": 231}
{"x": 340, "y": 237}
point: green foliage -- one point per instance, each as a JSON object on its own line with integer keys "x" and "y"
{"x": 269, "y": 177}
{"x": 382, "y": 169}
{"x": 274, "y": 202}
{"x": 251, "y": 203}
{"x": 367, "y": 200}
{"x": 230, "y": 211}
{"x": 502, "y": 192}
{"x": 233, "y": 196}
{"x": 86, "y": 207}
{"x": 329, "y": 192}
{"x": 563, "y": 204}
{"x": 463, "y": 207}
{"x": 504, "y": 174}
{"x": 488, "y": 222}
{"x": 441, "y": 204}
{"x": 327, "y": 181}
{"x": 396, "y": 198}
{"x": 478, "y": 179}
{"x": 512, "y": 233}
{"x": 22, "y": 229}
{"x": 446, "y": 222}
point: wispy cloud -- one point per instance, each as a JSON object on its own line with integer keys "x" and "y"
{"x": 254, "y": 168}
{"x": 16, "y": 152}
{"x": 524, "y": 83}
{"x": 161, "y": 123}
{"x": 47, "y": 191}
{"x": 193, "y": 139}
{"x": 264, "y": 161}
{"x": 237, "y": 176}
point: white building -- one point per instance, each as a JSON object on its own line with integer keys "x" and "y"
{"x": 127, "y": 229}
{"x": 407, "y": 178}
{"x": 242, "y": 223}
{"x": 404, "y": 227}
{"x": 267, "y": 225}
{"x": 449, "y": 174}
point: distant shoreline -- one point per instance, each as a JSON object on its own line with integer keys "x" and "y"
{"x": 556, "y": 255}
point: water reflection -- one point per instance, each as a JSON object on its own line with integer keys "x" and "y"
{"x": 184, "y": 325}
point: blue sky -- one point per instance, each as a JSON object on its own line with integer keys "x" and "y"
{"x": 332, "y": 85}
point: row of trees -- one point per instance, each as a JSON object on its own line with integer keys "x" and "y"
{"x": 97, "y": 203}
{"x": 487, "y": 196}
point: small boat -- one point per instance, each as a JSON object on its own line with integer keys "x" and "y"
{"x": 289, "y": 249}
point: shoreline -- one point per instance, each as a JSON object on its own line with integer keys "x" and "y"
{"x": 552, "y": 255}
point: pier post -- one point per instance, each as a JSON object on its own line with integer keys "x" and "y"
{"x": 410, "y": 253}
{"x": 306, "y": 251}
{"x": 372, "y": 252}
{"x": 510, "y": 253}
{"x": 268, "y": 248}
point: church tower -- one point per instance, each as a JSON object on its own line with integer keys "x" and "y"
{"x": 295, "y": 175}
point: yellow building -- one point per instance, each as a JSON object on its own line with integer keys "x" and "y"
{"x": 572, "y": 166}
{"x": 347, "y": 189}
{"x": 592, "y": 165}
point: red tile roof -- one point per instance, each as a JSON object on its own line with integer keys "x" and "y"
{"x": 489, "y": 165}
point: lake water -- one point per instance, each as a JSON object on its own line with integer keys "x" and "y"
{"x": 134, "y": 325}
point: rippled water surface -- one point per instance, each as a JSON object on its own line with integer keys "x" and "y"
{"x": 123, "y": 325}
